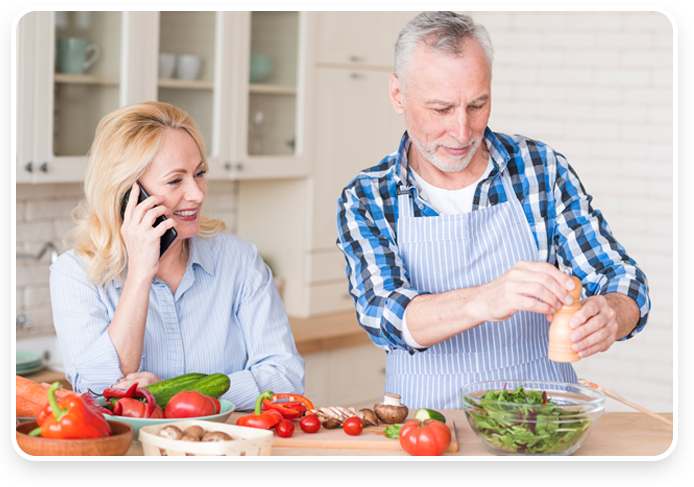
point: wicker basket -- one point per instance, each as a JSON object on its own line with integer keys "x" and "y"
{"x": 247, "y": 441}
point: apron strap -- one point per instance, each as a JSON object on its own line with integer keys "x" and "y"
{"x": 405, "y": 202}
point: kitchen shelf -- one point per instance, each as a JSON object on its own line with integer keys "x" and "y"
{"x": 272, "y": 89}
{"x": 186, "y": 84}
{"x": 85, "y": 79}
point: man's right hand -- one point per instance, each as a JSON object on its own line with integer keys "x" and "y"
{"x": 528, "y": 286}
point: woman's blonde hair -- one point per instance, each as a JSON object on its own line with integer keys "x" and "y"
{"x": 126, "y": 141}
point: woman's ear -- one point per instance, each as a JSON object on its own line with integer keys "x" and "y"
{"x": 396, "y": 95}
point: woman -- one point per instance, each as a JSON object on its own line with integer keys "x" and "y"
{"x": 209, "y": 304}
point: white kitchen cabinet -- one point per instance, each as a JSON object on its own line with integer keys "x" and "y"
{"x": 347, "y": 377}
{"x": 252, "y": 130}
{"x": 359, "y": 38}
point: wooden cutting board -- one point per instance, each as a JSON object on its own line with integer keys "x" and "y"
{"x": 372, "y": 438}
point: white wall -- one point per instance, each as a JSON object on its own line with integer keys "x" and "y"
{"x": 597, "y": 87}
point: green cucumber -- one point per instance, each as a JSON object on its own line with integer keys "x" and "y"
{"x": 424, "y": 413}
{"x": 213, "y": 385}
{"x": 175, "y": 383}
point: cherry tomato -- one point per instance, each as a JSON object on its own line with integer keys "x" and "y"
{"x": 428, "y": 437}
{"x": 353, "y": 426}
{"x": 310, "y": 423}
{"x": 285, "y": 428}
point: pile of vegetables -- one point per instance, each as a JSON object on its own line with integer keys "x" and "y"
{"x": 187, "y": 396}
{"x": 278, "y": 411}
{"x": 536, "y": 426}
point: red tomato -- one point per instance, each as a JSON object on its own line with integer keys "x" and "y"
{"x": 189, "y": 404}
{"x": 217, "y": 405}
{"x": 428, "y": 437}
{"x": 285, "y": 428}
{"x": 310, "y": 423}
{"x": 157, "y": 413}
{"x": 353, "y": 426}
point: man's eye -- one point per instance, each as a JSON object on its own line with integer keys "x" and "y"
{"x": 476, "y": 107}
{"x": 442, "y": 110}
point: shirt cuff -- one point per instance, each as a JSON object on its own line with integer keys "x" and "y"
{"x": 406, "y": 333}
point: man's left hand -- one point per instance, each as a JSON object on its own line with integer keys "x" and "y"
{"x": 601, "y": 321}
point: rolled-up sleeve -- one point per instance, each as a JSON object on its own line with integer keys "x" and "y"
{"x": 585, "y": 243}
{"x": 81, "y": 319}
{"x": 378, "y": 280}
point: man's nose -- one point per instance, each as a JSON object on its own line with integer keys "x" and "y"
{"x": 459, "y": 127}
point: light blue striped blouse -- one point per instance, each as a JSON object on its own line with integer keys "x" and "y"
{"x": 226, "y": 316}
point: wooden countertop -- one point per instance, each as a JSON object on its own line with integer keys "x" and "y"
{"x": 327, "y": 332}
{"x": 616, "y": 434}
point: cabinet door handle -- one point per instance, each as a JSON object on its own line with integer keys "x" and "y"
{"x": 357, "y": 75}
{"x": 29, "y": 167}
{"x": 240, "y": 166}
{"x": 357, "y": 59}
{"x": 44, "y": 167}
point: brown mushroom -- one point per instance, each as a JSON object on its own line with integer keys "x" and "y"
{"x": 216, "y": 436}
{"x": 391, "y": 411}
{"x": 187, "y": 437}
{"x": 171, "y": 432}
{"x": 369, "y": 417}
{"x": 195, "y": 430}
{"x": 331, "y": 423}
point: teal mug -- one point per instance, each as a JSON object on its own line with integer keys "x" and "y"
{"x": 75, "y": 55}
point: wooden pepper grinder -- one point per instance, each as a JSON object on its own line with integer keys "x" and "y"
{"x": 559, "y": 342}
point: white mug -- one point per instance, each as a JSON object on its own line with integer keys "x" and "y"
{"x": 188, "y": 66}
{"x": 167, "y": 65}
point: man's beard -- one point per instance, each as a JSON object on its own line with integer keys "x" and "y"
{"x": 430, "y": 154}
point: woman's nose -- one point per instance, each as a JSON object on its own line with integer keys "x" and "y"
{"x": 194, "y": 192}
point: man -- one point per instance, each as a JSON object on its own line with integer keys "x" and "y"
{"x": 459, "y": 245}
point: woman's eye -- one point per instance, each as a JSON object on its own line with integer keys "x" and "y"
{"x": 175, "y": 181}
{"x": 201, "y": 173}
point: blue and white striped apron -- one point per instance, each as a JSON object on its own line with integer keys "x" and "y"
{"x": 460, "y": 251}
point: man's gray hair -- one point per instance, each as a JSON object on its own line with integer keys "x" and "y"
{"x": 441, "y": 32}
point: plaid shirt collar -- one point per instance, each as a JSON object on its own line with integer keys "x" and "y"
{"x": 403, "y": 177}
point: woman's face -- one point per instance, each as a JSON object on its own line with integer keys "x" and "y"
{"x": 177, "y": 173}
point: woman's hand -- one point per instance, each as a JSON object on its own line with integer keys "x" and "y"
{"x": 143, "y": 379}
{"x": 141, "y": 239}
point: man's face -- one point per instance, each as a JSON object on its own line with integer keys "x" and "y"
{"x": 446, "y": 102}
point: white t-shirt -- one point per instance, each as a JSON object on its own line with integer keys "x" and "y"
{"x": 445, "y": 202}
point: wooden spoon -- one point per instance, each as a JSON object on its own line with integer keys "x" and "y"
{"x": 619, "y": 398}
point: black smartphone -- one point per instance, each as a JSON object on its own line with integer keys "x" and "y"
{"x": 169, "y": 236}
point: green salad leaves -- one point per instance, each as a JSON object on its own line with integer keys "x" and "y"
{"x": 541, "y": 429}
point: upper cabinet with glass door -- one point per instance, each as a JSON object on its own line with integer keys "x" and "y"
{"x": 74, "y": 60}
{"x": 241, "y": 75}
{"x": 272, "y": 102}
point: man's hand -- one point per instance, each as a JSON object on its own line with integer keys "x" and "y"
{"x": 528, "y": 286}
{"x": 601, "y": 321}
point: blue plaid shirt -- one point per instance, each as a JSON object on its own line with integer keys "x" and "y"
{"x": 569, "y": 233}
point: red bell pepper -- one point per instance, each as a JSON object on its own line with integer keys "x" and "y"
{"x": 258, "y": 419}
{"x": 72, "y": 418}
{"x": 289, "y": 410}
{"x": 291, "y": 406}
{"x": 132, "y": 408}
{"x": 135, "y": 393}
{"x": 91, "y": 402}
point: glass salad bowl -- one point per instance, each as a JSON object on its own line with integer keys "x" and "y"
{"x": 514, "y": 417}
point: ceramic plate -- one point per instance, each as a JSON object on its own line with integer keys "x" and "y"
{"x": 226, "y": 408}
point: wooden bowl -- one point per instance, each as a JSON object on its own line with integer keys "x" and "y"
{"x": 115, "y": 445}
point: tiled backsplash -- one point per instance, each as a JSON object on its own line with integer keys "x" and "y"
{"x": 43, "y": 215}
